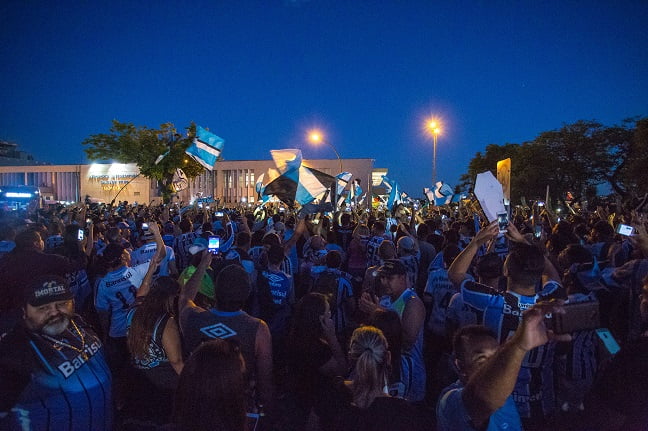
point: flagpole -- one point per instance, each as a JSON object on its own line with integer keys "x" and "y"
{"x": 124, "y": 186}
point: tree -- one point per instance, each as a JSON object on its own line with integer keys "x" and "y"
{"x": 126, "y": 143}
{"x": 576, "y": 158}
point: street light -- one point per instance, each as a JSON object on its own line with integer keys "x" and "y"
{"x": 433, "y": 127}
{"x": 317, "y": 137}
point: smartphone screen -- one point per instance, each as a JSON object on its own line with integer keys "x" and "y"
{"x": 219, "y": 214}
{"x": 537, "y": 231}
{"x": 502, "y": 222}
{"x": 624, "y": 229}
{"x": 608, "y": 340}
{"x": 81, "y": 234}
{"x": 145, "y": 226}
{"x": 214, "y": 244}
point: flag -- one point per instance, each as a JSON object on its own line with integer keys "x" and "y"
{"x": 296, "y": 182}
{"x": 442, "y": 193}
{"x": 179, "y": 181}
{"x": 161, "y": 156}
{"x": 395, "y": 194}
{"x": 206, "y": 148}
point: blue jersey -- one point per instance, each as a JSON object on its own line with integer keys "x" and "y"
{"x": 47, "y": 386}
{"x": 372, "y": 250}
{"x": 453, "y": 416}
{"x": 343, "y": 295}
{"x": 416, "y": 392}
{"x": 145, "y": 253}
{"x": 440, "y": 289}
{"x": 275, "y": 295}
{"x": 502, "y": 312}
{"x": 116, "y": 293}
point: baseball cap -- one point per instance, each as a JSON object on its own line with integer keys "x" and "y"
{"x": 407, "y": 243}
{"x": 198, "y": 245}
{"x": 47, "y": 288}
{"x": 392, "y": 267}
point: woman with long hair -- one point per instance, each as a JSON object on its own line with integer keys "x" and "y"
{"x": 155, "y": 350}
{"x": 211, "y": 390}
{"x": 372, "y": 407}
{"x": 315, "y": 356}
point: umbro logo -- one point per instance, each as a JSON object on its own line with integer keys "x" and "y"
{"x": 218, "y": 330}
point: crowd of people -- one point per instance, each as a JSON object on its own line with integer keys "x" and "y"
{"x": 190, "y": 318}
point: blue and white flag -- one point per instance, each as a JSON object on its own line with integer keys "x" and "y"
{"x": 206, "y": 148}
{"x": 297, "y": 183}
{"x": 180, "y": 181}
{"x": 395, "y": 194}
{"x": 442, "y": 193}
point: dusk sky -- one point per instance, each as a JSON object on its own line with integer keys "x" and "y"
{"x": 368, "y": 73}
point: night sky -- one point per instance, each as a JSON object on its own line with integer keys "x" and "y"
{"x": 368, "y": 73}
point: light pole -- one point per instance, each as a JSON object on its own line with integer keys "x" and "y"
{"x": 433, "y": 128}
{"x": 316, "y": 137}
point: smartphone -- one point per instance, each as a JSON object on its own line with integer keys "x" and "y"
{"x": 579, "y": 316}
{"x": 624, "y": 229}
{"x": 541, "y": 203}
{"x": 281, "y": 210}
{"x": 213, "y": 244}
{"x": 219, "y": 214}
{"x": 502, "y": 222}
{"x": 88, "y": 220}
{"x": 80, "y": 235}
{"x": 537, "y": 231}
{"x": 145, "y": 226}
{"x": 608, "y": 340}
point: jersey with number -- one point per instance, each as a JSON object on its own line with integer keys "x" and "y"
{"x": 116, "y": 293}
{"x": 145, "y": 253}
{"x": 502, "y": 312}
{"x": 372, "y": 250}
{"x": 44, "y": 386}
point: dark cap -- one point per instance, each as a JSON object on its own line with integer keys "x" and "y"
{"x": 392, "y": 267}
{"x": 232, "y": 284}
{"x": 46, "y": 289}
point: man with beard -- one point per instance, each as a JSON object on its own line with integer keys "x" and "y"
{"x": 53, "y": 374}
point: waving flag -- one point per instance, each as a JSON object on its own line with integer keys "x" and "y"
{"x": 206, "y": 148}
{"x": 395, "y": 194}
{"x": 442, "y": 193}
{"x": 179, "y": 181}
{"x": 296, "y": 183}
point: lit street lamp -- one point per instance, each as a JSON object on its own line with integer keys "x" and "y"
{"x": 433, "y": 127}
{"x": 316, "y": 137}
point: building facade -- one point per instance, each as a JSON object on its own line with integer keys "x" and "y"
{"x": 232, "y": 181}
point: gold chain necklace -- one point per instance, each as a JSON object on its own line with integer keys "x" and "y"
{"x": 58, "y": 344}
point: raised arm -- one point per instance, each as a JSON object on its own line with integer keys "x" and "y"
{"x": 160, "y": 253}
{"x": 459, "y": 268}
{"x": 490, "y": 386}
{"x": 188, "y": 292}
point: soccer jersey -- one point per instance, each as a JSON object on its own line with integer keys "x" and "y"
{"x": 502, "y": 312}
{"x": 274, "y": 296}
{"x": 145, "y": 253}
{"x": 48, "y": 387}
{"x": 416, "y": 392}
{"x": 453, "y": 416}
{"x": 440, "y": 289}
{"x": 411, "y": 264}
{"x": 116, "y": 293}
{"x": 342, "y": 295}
{"x": 372, "y": 250}
{"x": 181, "y": 249}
